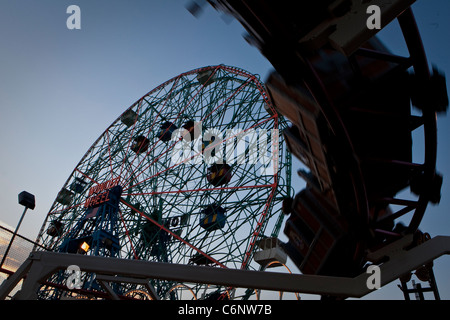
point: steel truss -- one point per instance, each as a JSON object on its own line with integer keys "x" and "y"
{"x": 400, "y": 259}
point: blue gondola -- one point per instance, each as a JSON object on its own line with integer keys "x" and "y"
{"x": 213, "y": 218}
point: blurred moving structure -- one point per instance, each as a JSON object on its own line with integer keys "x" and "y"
{"x": 353, "y": 106}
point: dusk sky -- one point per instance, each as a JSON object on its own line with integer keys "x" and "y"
{"x": 60, "y": 88}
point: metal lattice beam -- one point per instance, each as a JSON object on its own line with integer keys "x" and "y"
{"x": 40, "y": 265}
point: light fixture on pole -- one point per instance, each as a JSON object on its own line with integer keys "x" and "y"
{"x": 27, "y": 200}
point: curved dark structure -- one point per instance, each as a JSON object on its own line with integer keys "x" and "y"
{"x": 350, "y": 103}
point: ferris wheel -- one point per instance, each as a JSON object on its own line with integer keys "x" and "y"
{"x": 194, "y": 172}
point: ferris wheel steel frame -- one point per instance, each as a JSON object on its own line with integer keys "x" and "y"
{"x": 224, "y": 89}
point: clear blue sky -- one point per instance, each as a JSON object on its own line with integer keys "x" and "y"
{"x": 60, "y": 89}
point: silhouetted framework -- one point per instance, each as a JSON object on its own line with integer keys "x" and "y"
{"x": 191, "y": 173}
{"x": 110, "y": 271}
{"x": 349, "y": 100}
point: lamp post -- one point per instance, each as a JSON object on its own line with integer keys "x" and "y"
{"x": 27, "y": 200}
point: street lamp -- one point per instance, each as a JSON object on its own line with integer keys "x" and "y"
{"x": 27, "y": 200}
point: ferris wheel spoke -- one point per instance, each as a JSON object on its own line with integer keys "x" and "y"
{"x": 192, "y": 157}
{"x": 257, "y": 231}
{"x": 178, "y": 115}
{"x": 109, "y": 153}
{"x": 172, "y": 234}
{"x": 220, "y": 105}
{"x": 128, "y": 235}
{"x": 232, "y": 95}
{"x": 52, "y": 213}
{"x": 198, "y": 190}
{"x": 128, "y": 146}
{"x": 86, "y": 176}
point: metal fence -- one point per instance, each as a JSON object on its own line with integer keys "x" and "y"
{"x": 19, "y": 252}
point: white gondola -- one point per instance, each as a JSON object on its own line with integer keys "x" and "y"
{"x": 270, "y": 251}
